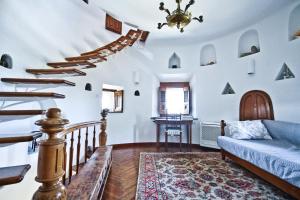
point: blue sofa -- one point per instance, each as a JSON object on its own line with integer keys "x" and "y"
{"x": 279, "y": 157}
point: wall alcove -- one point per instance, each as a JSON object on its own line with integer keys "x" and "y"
{"x": 285, "y": 73}
{"x": 228, "y": 89}
{"x": 248, "y": 43}
{"x": 208, "y": 55}
{"x": 174, "y": 61}
{"x": 294, "y": 24}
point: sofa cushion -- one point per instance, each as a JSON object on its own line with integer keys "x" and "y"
{"x": 275, "y": 156}
{"x": 248, "y": 130}
{"x": 288, "y": 131}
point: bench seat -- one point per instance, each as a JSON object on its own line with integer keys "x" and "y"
{"x": 274, "y": 156}
{"x": 89, "y": 183}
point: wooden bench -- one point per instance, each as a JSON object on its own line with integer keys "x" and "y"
{"x": 89, "y": 183}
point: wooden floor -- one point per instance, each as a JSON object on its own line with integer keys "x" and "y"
{"x": 122, "y": 180}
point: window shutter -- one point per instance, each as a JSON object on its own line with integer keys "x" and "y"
{"x": 186, "y": 92}
{"x": 162, "y": 101}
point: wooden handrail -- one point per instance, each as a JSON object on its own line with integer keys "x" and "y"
{"x": 52, "y": 162}
{"x": 74, "y": 127}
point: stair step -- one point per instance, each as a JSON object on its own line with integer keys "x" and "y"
{"x": 56, "y": 72}
{"x": 124, "y": 41}
{"x": 82, "y": 64}
{"x": 92, "y": 58}
{"x": 12, "y": 175}
{"x": 102, "y": 51}
{"x": 9, "y": 115}
{"x": 26, "y": 82}
{"x": 15, "y": 138}
{"x": 133, "y": 35}
{"x": 29, "y": 96}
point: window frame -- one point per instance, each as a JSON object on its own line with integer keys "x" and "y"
{"x": 162, "y": 89}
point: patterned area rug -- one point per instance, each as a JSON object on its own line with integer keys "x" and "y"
{"x": 198, "y": 176}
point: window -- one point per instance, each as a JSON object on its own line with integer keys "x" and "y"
{"x": 174, "y": 98}
{"x": 112, "y": 98}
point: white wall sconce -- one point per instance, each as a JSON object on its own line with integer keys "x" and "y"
{"x": 136, "y": 77}
{"x": 251, "y": 67}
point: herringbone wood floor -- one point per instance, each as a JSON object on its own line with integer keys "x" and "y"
{"x": 122, "y": 180}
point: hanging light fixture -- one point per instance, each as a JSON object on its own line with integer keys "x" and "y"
{"x": 179, "y": 18}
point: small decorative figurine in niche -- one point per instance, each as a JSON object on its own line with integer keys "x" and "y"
{"x": 254, "y": 49}
{"x": 297, "y": 34}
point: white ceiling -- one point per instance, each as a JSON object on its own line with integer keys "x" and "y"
{"x": 220, "y": 16}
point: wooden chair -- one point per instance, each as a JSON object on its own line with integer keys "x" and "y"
{"x": 173, "y": 128}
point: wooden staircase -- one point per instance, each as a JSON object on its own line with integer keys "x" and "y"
{"x": 70, "y": 68}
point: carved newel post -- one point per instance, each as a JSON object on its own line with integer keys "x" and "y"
{"x": 103, "y": 135}
{"x": 51, "y": 157}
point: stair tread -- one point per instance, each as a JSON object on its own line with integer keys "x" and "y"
{"x": 22, "y": 112}
{"x": 29, "y": 96}
{"x": 12, "y": 175}
{"x": 102, "y": 51}
{"x": 62, "y": 71}
{"x": 37, "y": 81}
{"x": 83, "y": 64}
{"x": 15, "y": 138}
{"x": 91, "y": 58}
{"x": 133, "y": 35}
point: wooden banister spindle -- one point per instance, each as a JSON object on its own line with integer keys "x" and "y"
{"x": 94, "y": 139}
{"x": 50, "y": 158}
{"x": 86, "y": 144}
{"x": 78, "y": 151}
{"x": 103, "y": 135}
{"x": 65, "y": 160}
{"x": 71, "y": 157}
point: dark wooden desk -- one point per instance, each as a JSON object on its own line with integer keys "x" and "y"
{"x": 162, "y": 121}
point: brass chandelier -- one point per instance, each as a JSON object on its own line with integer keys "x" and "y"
{"x": 179, "y": 18}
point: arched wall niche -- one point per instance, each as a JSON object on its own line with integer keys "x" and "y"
{"x": 208, "y": 55}
{"x": 294, "y": 23}
{"x": 174, "y": 61}
{"x": 248, "y": 43}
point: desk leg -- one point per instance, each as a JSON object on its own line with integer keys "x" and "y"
{"x": 190, "y": 134}
{"x": 157, "y": 136}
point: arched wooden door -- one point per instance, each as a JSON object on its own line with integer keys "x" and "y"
{"x": 256, "y": 104}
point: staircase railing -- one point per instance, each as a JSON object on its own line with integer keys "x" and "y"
{"x": 55, "y": 165}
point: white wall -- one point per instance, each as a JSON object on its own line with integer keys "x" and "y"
{"x": 208, "y": 82}
{"x": 35, "y": 32}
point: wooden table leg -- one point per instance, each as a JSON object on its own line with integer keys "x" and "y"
{"x": 190, "y": 134}
{"x": 157, "y": 136}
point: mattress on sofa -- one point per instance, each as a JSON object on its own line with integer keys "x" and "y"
{"x": 274, "y": 156}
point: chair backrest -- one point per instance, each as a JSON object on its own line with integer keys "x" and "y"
{"x": 173, "y": 121}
